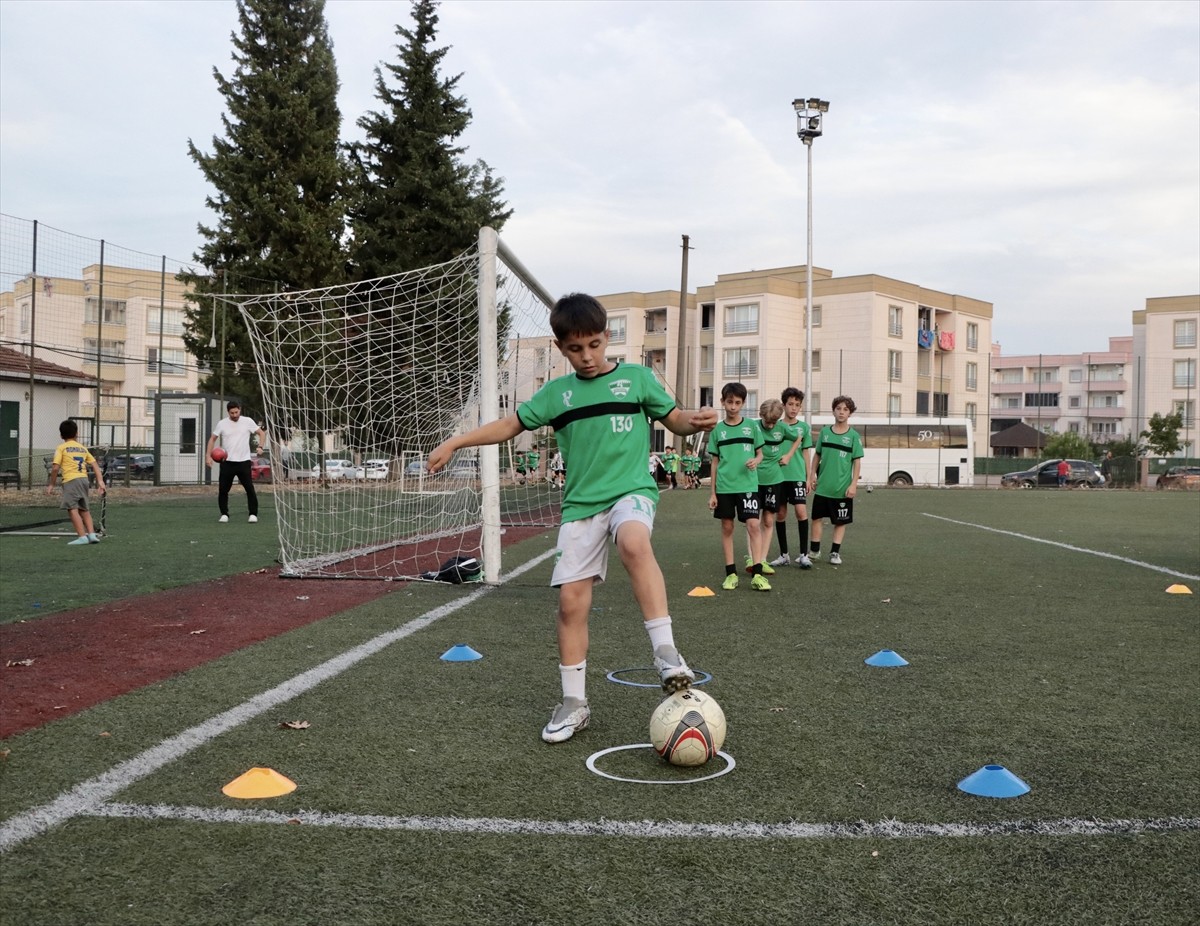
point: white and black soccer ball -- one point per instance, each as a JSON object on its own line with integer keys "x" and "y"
{"x": 688, "y": 728}
{"x": 870, "y": 489}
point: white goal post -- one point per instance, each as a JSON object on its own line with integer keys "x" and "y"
{"x": 362, "y": 380}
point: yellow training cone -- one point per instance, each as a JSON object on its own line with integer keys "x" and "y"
{"x": 259, "y": 782}
{"x": 701, "y": 592}
{"x": 1178, "y": 590}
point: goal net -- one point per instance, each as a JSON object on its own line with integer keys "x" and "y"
{"x": 362, "y": 381}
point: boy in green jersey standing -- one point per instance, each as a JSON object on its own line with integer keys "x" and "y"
{"x": 770, "y": 477}
{"x": 795, "y": 464}
{"x": 735, "y": 446}
{"x": 836, "y": 463}
{"x": 601, "y": 418}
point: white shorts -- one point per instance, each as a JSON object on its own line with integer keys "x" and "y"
{"x": 583, "y": 545}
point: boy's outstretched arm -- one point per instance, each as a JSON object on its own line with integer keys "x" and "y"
{"x": 494, "y": 432}
{"x": 685, "y": 423}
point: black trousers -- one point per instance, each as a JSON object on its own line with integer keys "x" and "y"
{"x": 240, "y": 471}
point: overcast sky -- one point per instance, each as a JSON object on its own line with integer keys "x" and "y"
{"x": 1041, "y": 156}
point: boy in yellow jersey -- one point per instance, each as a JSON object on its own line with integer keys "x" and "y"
{"x": 72, "y": 459}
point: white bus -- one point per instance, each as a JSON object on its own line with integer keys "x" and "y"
{"x": 913, "y": 451}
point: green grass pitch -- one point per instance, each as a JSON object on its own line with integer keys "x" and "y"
{"x": 426, "y": 796}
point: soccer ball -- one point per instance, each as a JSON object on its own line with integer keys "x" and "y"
{"x": 218, "y": 454}
{"x": 688, "y": 728}
{"x": 870, "y": 489}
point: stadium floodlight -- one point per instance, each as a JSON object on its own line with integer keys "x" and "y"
{"x": 810, "y": 123}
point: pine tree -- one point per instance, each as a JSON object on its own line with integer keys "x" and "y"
{"x": 279, "y": 180}
{"x": 417, "y": 202}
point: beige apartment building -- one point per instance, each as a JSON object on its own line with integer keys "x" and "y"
{"x": 1166, "y": 355}
{"x": 134, "y": 340}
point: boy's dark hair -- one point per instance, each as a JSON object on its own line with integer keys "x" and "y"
{"x": 232, "y": 403}
{"x": 791, "y": 392}
{"x": 733, "y": 389}
{"x": 849, "y": 403}
{"x": 68, "y": 430}
{"x": 579, "y": 314}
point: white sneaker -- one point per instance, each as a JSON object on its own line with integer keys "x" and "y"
{"x": 673, "y": 672}
{"x": 253, "y": 519}
{"x": 224, "y": 519}
{"x": 568, "y": 718}
{"x": 835, "y": 559}
{"x": 781, "y": 560}
{"x": 814, "y": 556}
{"x": 803, "y": 561}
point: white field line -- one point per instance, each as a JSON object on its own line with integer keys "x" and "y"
{"x": 85, "y": 797}
{"x": 651, "y": 829}
{"x": 1067, "y": 546}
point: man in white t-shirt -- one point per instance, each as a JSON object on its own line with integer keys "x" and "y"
{"x": 234, "y": 432}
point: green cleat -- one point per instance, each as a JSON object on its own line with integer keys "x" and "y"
{"x": 760, "y": 584}
{"x": 731, "y": 582}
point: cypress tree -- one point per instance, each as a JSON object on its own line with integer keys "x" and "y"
{"x": 278, "y": 175}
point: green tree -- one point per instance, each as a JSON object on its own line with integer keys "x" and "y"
{"x": 1067, "y": 446}
{"x": 416, "y": 200}
{"x": 1162, "y": 433}
{"x": 278, "y": 175}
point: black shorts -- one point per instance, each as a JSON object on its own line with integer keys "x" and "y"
{"x": 741, "y": 505}
{"x": 771, "y": 498}
{"x": 839, "y": 510}
{"x": 793, "y": 493}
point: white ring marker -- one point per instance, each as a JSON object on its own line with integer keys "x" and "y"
{"x": 730, "y": 764}
{"x": 701, "y": 677}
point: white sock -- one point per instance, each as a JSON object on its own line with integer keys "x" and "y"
{"x": 660, "y": 632}
{"x": 574, "y": 680}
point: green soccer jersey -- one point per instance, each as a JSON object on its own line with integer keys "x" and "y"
{"x": 603, "y": 429}
{"x": 838, "y": 453}
{"x": 795, "y": 470}
{"x": 775, "y": 443}
{"x": 733, "y": 445}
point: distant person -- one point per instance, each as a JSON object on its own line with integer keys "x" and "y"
{"x": 833, "y": 480}
{"x": 72, "y": 459}
{"x": 671, "y": 464}
{"x": 1106, "y": 468}
{"x": 736, "y": 449}
{"x": 770, "y": 479}
{"x": 234, "y": 432}
{"x": 558, "y": 469}
{"x": 601, "y": 415}
{"x": 1064, "y": 470}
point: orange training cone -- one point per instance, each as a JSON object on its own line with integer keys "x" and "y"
{"x": 259, "y": 782}
{"x": 701, "y": 592}
{"x": 1178, "y": 590}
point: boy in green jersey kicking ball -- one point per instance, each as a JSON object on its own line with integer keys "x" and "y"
{"x": 837, "y": 459}
{"x": 735, "y": 446}
{"x": 601, "y": 418}
{"x": 795, "y": 465}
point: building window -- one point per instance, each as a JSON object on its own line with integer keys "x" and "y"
{"x": 172, "y": 321}
{"x": 972, "y": 376}
{"x": 173, "y": 362}
{"x": 616, "y": 329}
{"x": 24, "y": 317}
{"x": 893, "y": 405}
{"x": 815, "y": 401}
{"x": 1104, "y": 428}
{"x": 1073, "y": 402}
{"x": 1187, "y": 410}
{"x": 741, "y": 319}
{"x": 1105, "y": 400}
{"x": 895, "y": 368}
{"x": 1075, "y": 376}
{"x": 740, "y": 362}
{"x": 895, "y": 321}
{"x": 1010, "y": 401}
{"x": 1049, "y": 375}
{"x": 656, "y": 321}
{"x": 972, "y": 336}
{"x": 816, "y": 316}
{"x": 708, "y": 312}
{"x": 751, "y": 406}
{"x": 1041, "y": 400}
{"x": 1073, "y": 427}
{"x": 110, "y": 351}
{"x": 1185, "y": 332}
{"x": 151, "y": 393}
{"x": 1010, "y": 375}
{"x": 924, "y": 362}
{"x": 1185, "y": 374}
{"x": 114, "y": 311}
{"x": 1106, "y": 373}
{"x": 972, "y": 411}
{"x": 816, "y": 360}
{"x": 706, "y": 358}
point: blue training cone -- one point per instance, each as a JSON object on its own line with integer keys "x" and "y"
{"x": 461, "y": 653}
{"x": 993, "y": 781}
{"x": 886, "y": 657}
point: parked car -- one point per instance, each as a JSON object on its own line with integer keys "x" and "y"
{"x": 336, "y": 469}
{"x": 463, "y": 469}
{"x": 376, "y": 469}
{"x": 1083, "y": 473}
{"x": 1179, "y": 477}
{"x": 138, "y": 465}
{"x": 260, "y": 470}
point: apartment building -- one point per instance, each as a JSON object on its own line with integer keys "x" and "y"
{"x": 1165, "y": 345}
{"x": 130, "y": 345}
{"x": 1089, "y": 394}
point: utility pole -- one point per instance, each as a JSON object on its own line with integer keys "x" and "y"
{"x": 680, "y": 342}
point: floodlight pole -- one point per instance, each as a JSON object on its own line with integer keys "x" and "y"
{"x": 810, "y": 117}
